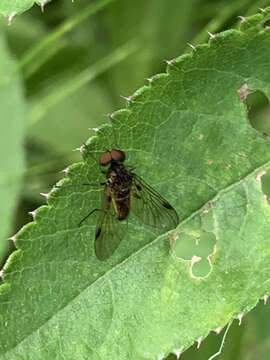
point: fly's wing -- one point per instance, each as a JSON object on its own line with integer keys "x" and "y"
{"x": 109, "y": 230}
{"x": 151, "y": 207}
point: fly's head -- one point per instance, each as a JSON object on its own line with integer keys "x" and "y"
{"x": 110, "y": 156}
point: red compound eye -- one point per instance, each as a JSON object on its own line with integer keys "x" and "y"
{"x": 105, "y": 158}
{"x": 118, "y": 155}
{"x": 108, "y": 156}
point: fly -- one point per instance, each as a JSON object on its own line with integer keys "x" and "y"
{"x": 124, "y": 191}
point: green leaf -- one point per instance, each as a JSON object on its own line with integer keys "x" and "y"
{"x": 242, "y": 342}
{"x": 12, "y": 8}
{"x": 11, "y": 144}
{"x": 188, "y": 136}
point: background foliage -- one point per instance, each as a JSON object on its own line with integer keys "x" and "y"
{"x": 73, "y": 63}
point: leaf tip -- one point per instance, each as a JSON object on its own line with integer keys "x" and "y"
{"x": 33, "y": 213}
{"x": 42, "y": 5}
{"x": 80, "y": 148}
{"x": 240, "y": 318}
{"x": 193, "y": 47}
{"x": 11, "y": 17}
{"x": 212, "y": 36}
{"x": 199, "y": 341}
{"x": 95, "y": 129}
{"x": 169, "y": 62}
{"x": 127, "y": 98}
{"x": 46, "y": 195}
{"x": 242, "y": 19}
{"x": 265, "y": 299}
{"x": 218, "y": 330}
{"x": 13, "y": 238}
{"x": 177, "y": 352}
{"x": 65, "y": 171}
{"x": 110, "y": 116}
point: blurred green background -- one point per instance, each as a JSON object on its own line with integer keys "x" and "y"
{"x": 76, "y": 62}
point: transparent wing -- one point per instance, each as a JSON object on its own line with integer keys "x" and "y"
{"x": 151, "y": 207}
{"x": 109, "y": 230}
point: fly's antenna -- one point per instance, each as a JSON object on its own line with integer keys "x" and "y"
{"x": 110, "y": 117}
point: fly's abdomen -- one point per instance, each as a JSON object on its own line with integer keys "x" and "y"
{"x": 122, "y": 207}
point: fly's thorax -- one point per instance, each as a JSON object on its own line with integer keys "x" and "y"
{"x": 119, "y": 180}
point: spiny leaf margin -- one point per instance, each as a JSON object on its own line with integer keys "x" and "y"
{"x": 12, "y": 8}
{"x": 160, "y": 242}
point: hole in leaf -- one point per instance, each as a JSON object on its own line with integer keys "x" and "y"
{"x": 258, "y": 111}
{"x": 197, "y": 251}
{"x": 184, "y": 246}
{"x": 266, "y": 185}
{"x": 266, "y": 23}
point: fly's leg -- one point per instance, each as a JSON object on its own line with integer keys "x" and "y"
{"x": 87, "y": 216}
